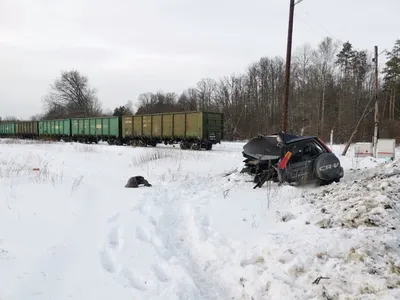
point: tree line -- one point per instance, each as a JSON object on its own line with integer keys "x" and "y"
{"x": 329, "y": 90}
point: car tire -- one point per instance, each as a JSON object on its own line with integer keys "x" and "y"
{"x": 327, "y": 167}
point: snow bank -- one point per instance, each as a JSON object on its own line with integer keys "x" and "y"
{"x": 362, "y": 219}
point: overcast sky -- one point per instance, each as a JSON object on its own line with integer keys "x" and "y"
{"x": 128, "y": 47}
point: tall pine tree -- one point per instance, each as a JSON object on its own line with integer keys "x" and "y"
{"x": 392, "y": 81}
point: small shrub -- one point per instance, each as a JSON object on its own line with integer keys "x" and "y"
{"x": 156, "y": 155}
{"x": 75, "y": 185}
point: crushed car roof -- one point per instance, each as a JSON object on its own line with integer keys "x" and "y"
{"x": 263, "y": 148}
{"x": 268, "y": 147}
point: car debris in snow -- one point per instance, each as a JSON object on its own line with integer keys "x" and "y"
{"x": 290, "y": 158}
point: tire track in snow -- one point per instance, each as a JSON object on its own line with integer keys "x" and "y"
{"x": 187, "y": 237}
{"x": 179, "y": 255}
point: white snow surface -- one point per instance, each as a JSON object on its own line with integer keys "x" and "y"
{"x": 70, "y": 230}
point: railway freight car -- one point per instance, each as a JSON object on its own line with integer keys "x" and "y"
{"x": 26, "y": 129}
{"x": 55, "y": 129}
{"x": 193, "y": 130}
{"x": 94, "y": 129}
{"x": 7, "y": 129}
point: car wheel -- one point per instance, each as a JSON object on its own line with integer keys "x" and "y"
{"x": 327, "y": 167}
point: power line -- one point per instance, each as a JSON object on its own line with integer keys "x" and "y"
{"x": 327, "y": 31}
{"x": 305, "y": 22}
{"x": 322, "y": 27}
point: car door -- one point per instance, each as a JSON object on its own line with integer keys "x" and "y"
{"x": 300, "y": 166}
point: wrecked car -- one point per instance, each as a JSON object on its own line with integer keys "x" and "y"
{"x": 283, "y": 157}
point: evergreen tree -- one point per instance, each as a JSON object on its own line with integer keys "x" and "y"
{"x": 122, "y": 111}
{"x": 392, "y": 80}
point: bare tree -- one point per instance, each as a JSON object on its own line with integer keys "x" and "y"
{"x": 129, "y": 106}
{"x": 324, "y": 58}
{"x": 36, "y": 117}
{"x": 71, "y": 96}
{"x": 206, "y": 92}
{"x": 107, "y": 112}
{"x": 9, "y": 118}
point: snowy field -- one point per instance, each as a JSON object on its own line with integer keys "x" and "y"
{"x": 70, "y": 230}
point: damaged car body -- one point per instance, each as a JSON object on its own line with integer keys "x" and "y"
{"x": 290, "y": 158}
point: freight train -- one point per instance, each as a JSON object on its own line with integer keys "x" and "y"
{"x": 192, "y": 130}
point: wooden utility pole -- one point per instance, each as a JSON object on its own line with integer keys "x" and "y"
{"x": 376, "y": 118}
{"x": 287, "y": 70}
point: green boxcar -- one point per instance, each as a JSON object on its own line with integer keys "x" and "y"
{"x": 213, "y": 125}
{"x": 60, "y": 127}
{"x": 7, "y": 128}
{"x": 96, "y": 127}
{"x": 179, "y": 125}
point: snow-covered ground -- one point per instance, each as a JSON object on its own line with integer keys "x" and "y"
{"x": 70, "y": 230}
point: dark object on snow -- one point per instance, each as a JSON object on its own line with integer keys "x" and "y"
{"x": 135, "y": 181}
{"x": 316, "y": 281}
{"x": 290, "y": 158}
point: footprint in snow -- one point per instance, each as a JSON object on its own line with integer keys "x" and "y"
{"x": 144, "y": 209}
{"x": 142, "y": 234}
{"x": 159, "y": 247}
{"x": 108, "y": 260}
{"x": 136, "y": 207}
{"x": 134, "y": 280}
{"x": 206, "y": 221}
{"x": 160, "y": 273}
{"x": 114, "y": 238}
{"x": 113, "y": 218}
{"x": 153, "y": 221}
{"x": 203, "y": 223}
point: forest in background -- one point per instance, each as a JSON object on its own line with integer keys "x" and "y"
{"x": 329, "y": 89}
